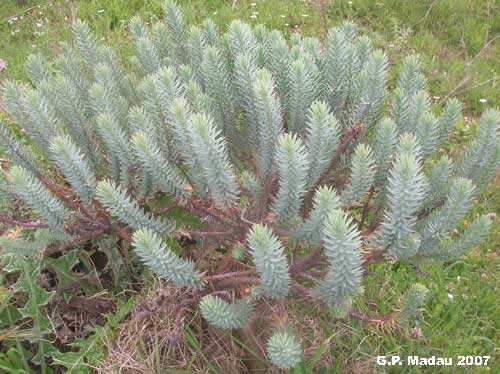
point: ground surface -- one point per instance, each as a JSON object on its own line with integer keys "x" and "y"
{"x": 459, "y": 41}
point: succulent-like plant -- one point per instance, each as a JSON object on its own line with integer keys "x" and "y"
{"x": 413, "y": 301}
{"x": 284, "y": 349}
{"x": 287, "y": 148}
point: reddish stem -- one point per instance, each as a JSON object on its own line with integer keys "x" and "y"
{"x": 123, "y": 233}
{"x": 303, "y": 263}
{"x": 63, "y": 193}
{"x": 208, "y": 234}
{"x": 347, "y": 138}
{"x": 365, "y": 208}
{"x": 373, "y": 256}
{"x": 26, "y": 225}
{"x": 232, "y": 282}
{"x": 376, "y": 320}
{"x": 301, "y": 289}
{"x": 228, "y": 275}
{"x": 71, "y": 243}
{"x": 166, "y": 209}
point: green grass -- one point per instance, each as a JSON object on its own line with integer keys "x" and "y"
{"x": 448, "y": 34}
{"x": 462, "y": 312}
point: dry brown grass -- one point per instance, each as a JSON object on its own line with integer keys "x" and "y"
{"x": 154, "y": 340}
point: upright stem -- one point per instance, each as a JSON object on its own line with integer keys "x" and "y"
{"x": 303, "y": 263}
{"x": 365, "y": 208}
{"x": 269, "y": 185}
{"x": 347, "y": 138}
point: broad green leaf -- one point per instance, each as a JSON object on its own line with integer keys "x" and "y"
{"x": 63, "y": 266}
{"x": 37, "y": 296}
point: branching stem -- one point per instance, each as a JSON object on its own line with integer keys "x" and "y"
{"x": 23, "y": 224}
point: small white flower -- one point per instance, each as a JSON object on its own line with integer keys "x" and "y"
{"x": 305, "y": 15}
{"x": 255, "y": 13}
{"x": 282, "y": 16}
{"x": 253, "y": 16}
{"x": 450, "y": 296}
{"x": 483, "y": 101}
{"x": 437, "y": 97}
{"x": 214, "y": 13}
{"x": 286, "y": 24}
{"x": 253, "y": 4}
{"x": 100, "y": 11}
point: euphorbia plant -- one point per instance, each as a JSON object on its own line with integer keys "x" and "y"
{"x": 294, "y": 156}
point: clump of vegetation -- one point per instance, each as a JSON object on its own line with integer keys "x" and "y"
{"x": 295, "y": 170}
